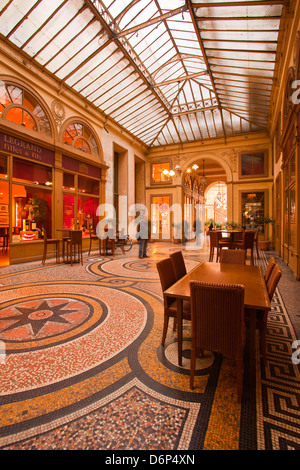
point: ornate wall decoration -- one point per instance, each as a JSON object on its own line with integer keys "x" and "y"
{"x": 58, "y": 111}
{"x": 232, "y": 158}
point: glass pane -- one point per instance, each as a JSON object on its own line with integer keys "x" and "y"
{"x": 69, "y": 181}
{"x": 292, "y": 168}
{"x": 82, "y": 144}
{"x": 4, "y": 214}
{"x": 19, "y": 116}
{"x": 68, "y": 211}
{"x": 252, "y": 164}
{"x": 160, "y": 217}
{"x": 79, "y": 136}
{"x": 32, "y": 212}
{"x": 88, "y": 185}
{"x": 3, "y": 166}
{"x": 292, "y": 218}
{"x": 158, "y": 175}
{"x": 86, "y": 213}
{"x": 31, "y": 172}
{"x": 286, "y": 219}
{"x": 253, "y": 208}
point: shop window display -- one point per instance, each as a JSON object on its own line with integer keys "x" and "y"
{"x": 82, "y": 204}
{"x": 32, "y": 204}
{"x": 31, "y": 212}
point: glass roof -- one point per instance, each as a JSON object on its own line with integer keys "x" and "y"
{"x": 165, "y": 70}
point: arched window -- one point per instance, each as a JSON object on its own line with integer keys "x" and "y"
{"x": 20, "y": 106}
{"x": 78, "y": 135}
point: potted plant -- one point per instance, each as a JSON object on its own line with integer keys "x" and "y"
{"x": 37, "y": 210}
{"x": 264, "y": 222}
{"x": 233, "y": 225}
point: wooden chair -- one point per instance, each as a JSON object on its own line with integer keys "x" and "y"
{"x": 108, "y": 242}
{"x": 168, "y": 277}
{"x": 273, "y": 280}
{"x": 94, "y": 236}
{"x": 246, "y": 244}
{"x": 269, "y": 269}
{"x": 47, "y": 242}
{"x": 179, "y": 264}
{"x": 233, "y": 256}
{"x": 237, "y": 236}
{"x": 107, "y": 245}
{"x": 65, "y": 236}
{"x": 223, "y": 242}
{"x": 256, "y": 242}
{"x": 262, "y": 317}
{"x": 214, "y": 243}
{"x": 74, "y": 244}
{"x": 217, "y": 316}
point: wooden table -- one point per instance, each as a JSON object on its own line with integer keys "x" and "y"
{"x": 231, "y": 233}
{"x": 251, "y": 277}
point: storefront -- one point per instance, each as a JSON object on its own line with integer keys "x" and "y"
{"x": 32, "y": 198}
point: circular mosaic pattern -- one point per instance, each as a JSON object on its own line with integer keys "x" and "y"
{"x": 35, "y": 321}
{"x": 92, "y": 327}
{"x": 134, "y": 269}
{"x": 141, "y": 265}
{"x": 171, "y": 354}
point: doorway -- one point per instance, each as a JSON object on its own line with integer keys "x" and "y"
{"x": 160, "y": 218}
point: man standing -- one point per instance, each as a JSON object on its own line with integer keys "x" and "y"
{"x": 144, "y": 229}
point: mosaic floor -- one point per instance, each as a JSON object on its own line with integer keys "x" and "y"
{"x": 81, "y": 365}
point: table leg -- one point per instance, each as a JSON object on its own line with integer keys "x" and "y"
{"x": 179, "y": 330}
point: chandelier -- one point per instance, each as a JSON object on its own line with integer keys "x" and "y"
{"x": 203, "y": 180}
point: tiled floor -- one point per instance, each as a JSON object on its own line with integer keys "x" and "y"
{"x": 84, "y": 368}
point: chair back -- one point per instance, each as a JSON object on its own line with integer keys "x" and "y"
{"x": 269, "y": 269}
{"x": 44, "y": 235}
{"x": 76, "y": 237}
{"x": 217, "y": 315}
{"x": 2, "y": 231}
{"x": 167, "y": 276}
{"x": 238, "y": 236}
{"x": 273, "y": 280}
{"x": 214, "y": 238}
{"x": 233, "y": 256}
{"x": 179, "y": 264}
{"x": 248, "y": 239}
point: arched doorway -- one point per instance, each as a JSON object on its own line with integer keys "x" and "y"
{"x": 216, "y": 204}
{"x": 211, "y": 177}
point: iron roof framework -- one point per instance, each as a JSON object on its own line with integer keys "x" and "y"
{"x": 167, "y": 71}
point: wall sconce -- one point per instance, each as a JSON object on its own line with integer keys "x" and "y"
{"x": 178, "y": 169}
{"x": 172, "y": 172}
{"x": 194, "y": 168}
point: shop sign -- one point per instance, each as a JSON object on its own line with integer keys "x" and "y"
{"x": 20, "y": 147}
{"x": 79, "y": 167}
